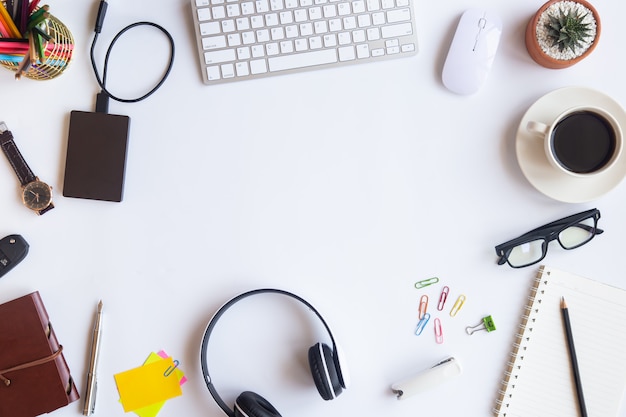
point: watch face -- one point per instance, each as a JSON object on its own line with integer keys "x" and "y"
{"x": 37, "y": 195}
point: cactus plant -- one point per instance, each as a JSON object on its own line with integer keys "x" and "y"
{"x": 562, "y": 33}
{"x": 568, "y": 30}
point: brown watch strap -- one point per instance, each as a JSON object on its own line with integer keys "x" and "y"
{"x": 21, "y": 168}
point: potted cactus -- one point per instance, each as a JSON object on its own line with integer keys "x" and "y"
{"x": 562, "y": 33}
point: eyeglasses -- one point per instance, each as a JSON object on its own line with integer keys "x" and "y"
{"x": 571, "y": 232}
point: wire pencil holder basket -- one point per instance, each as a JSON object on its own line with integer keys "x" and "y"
{"x": 57, "y": 54}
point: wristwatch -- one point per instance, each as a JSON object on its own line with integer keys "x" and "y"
{"x": 36, "y": 194}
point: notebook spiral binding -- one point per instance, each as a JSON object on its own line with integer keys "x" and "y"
{"x": 515, "y": 363}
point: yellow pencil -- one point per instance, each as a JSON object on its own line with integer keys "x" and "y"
{"x": 8, "y": 22}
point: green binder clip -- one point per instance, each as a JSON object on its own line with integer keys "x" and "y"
{"x": 486, "y": 324}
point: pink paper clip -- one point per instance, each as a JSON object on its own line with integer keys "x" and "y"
{"x": 443, "y": 297}
{"x": 438, "y": 331}
{"x": 423, "y": 305}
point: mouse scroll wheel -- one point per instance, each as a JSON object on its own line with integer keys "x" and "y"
{"x": 482, "y": 23}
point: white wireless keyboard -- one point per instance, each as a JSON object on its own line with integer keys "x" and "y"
{"x": 246, "y": 39}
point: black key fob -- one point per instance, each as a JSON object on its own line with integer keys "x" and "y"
{"x": 13, "y": 249}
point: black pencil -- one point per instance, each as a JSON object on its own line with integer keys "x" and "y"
{"x": 573, "y": 360}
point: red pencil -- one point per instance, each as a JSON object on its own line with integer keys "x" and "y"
{"x": 32, "y": 6}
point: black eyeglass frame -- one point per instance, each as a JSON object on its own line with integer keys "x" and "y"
{"x": 549, "y": 232}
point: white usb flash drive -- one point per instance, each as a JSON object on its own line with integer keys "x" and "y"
{"x": 427, "y": 379}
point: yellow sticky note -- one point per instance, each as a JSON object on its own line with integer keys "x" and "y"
{"x": 153, "y": 409}
{"x": 147, "y": 385}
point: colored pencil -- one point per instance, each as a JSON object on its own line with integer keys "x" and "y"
{"x": 8, "y": 22}
{"x": 23, "y": 16}
{"x": 4, "y": 32}
{"x": 32, "y": 6}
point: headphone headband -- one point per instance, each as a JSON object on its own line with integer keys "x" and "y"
{"x": 220, "y": 312}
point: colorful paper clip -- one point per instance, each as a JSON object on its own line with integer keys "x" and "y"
{"x": 457, "y": 305}
{"x": 486, "y": 324}
{"x": 426, "y": 282}
{"x": 438, "y": 331}
{"x": 443, "y": 297}
{"x": 171, "y": 369}
{"x": 423, "y": 305}
{"x": 422, "y": 324}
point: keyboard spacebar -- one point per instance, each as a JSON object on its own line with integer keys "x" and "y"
{"x": 305, "y": 59}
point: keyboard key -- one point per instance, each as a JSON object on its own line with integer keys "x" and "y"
{"x": 258, "y": 66}
{"x": 358, "y": 6}
{"x": 393, "y": 31}
{"x": 400, "y": 15}
{"x": 243, "y": 53}
{"x": 217, "y": 57}
{"x": 363, "y": 51}
{"x": 213, "y": 73}
{"x": 210, "y": 28}
{"x": 272, "y": 49}
{"x": 247, "y": 8}
{"x": 242, "y": 69}
{"x": 228, "y": 71}
{"x": 214, "y": 42}
{"x": 257, "y": 51}
{"x": 262, "y": 6}
{"x": 204, "y": 14}
{"x": 219, "y": 12}
{"x": 346, "y": 53}
{"x": 232, "y": 10}
{"x": 306, "y": 59}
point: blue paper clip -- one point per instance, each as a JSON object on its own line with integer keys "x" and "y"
{"x": 171, "y": 369}
{"x": 426, "y": 282}
{"x": 422, "y": 324}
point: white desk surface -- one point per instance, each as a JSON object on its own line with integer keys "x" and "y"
{"x": 345, "y": 186}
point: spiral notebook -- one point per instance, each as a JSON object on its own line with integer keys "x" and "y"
{"x": 539, "y": 380}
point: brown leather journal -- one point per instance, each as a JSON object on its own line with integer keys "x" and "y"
{"x": 34, "y": 377}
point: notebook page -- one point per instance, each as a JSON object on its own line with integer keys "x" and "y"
{"x": 541, "y": 382}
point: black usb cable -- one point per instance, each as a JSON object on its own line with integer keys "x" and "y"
{"x": 102, "y": 98}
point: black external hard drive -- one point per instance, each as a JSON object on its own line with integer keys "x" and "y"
{"x": 96, "y": 156}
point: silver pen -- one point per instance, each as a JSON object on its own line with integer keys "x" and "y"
{"x": 90, "y": 394}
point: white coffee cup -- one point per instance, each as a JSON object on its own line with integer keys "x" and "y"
{"x": 582, "y": 141}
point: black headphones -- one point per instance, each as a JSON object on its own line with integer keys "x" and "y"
{"x": 330, "y": 379}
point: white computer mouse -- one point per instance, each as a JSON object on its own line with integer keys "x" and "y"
{"x": 472, "y": 51}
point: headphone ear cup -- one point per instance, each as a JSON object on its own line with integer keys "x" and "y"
{"x": 250, "y": 404}
{"x": 324, "y": 371}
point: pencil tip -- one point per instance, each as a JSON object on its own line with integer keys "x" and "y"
{"x": 563, "y": 303}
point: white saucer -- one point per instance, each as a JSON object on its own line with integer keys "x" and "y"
{"x": 534, "y": 162}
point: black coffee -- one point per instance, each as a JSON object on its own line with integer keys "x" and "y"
{"x": 583, "y": 142}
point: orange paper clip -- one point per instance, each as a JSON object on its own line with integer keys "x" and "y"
{"x": 423, "y": 305}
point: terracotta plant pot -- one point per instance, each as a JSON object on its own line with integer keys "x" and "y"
{"x": 539, "y": 56}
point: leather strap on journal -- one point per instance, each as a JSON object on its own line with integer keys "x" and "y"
{"x": 49, "y": 358}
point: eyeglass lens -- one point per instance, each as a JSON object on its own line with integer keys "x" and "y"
{"x": 571, "y": 237}
{"x": 578, "y": 234}
{"x": 527, "y": 253}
